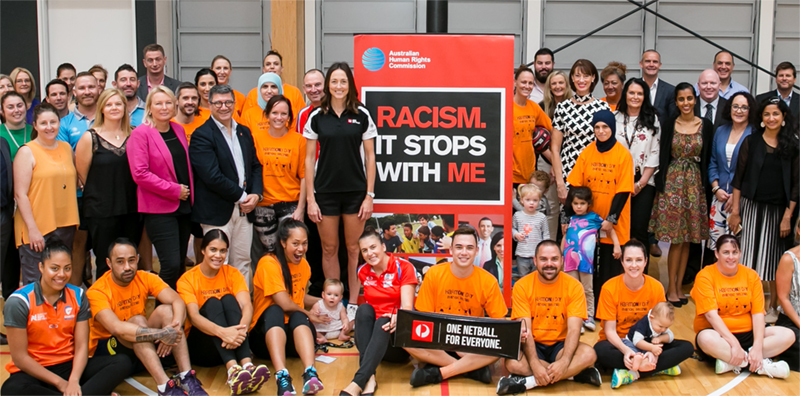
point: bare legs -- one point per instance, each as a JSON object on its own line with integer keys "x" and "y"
{"x": 329, "y": 234}
{"x": 676, "y": 265}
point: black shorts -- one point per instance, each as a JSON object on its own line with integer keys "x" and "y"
{"x": 197, "y": 230}
{"x": 335, "y": 204}
{"x": 110, "y": 346}
{"x": 549, "y": 353}
{"x": 745, "y": 340}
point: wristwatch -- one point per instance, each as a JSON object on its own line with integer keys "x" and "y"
{"x": 371, "y": 194}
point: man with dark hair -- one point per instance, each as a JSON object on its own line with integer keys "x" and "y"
{"x": 551, "y": 350}
{"x": 411, "y": 244}
{"x": 189, "y": 113}
{"x": 57, "y": 92}
{"x": 485, "y": 229}
{"x": 228, "y": 182}
{"x": 74, "y": 124}
{"x": 126, "y": 80}
{"x": 273, "y": 63}
{"x": 723, "y": 65}
{"x": 154, "y": 61}
{"x": 390, "y": 239}
{"x": 785, "y": 78}
{"x": 66, "y": 73}
{"x": 121, "y": 325}
{"x": 313, "y": 83}
{"x": 457, "y": 288}
{"x": 543, "y": 63}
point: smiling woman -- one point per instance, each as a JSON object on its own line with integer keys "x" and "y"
{"x": 527, "y": 116}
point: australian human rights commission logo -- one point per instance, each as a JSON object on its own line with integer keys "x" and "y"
{"x": 374, "y": 59}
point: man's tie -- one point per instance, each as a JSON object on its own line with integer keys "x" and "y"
{"x": 709, "y": 113}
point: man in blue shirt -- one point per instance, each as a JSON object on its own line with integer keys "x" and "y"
{"x": 82, "y": 118}
{"x": 723, "y": 65}
{"x": 126, "y": 80}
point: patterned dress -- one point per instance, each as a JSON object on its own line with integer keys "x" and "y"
{"x": 681, "y": 214}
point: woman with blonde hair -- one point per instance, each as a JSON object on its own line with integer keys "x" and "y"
{"x": 25, "y": 85}
{"x": 159, "y": 161}
{"x": 109, "y": 193}
{"x": 558, "y": 90}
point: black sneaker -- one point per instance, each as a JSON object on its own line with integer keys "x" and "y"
{"x": 589, "y": 376}
{"x": 511, "y": 385}
{"x": 284, "y": 381}
{"x": 311, "y": 382}
{"x": 429, "y": 374}
{"x": 481, "y": 375}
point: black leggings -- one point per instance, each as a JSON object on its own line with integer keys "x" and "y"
{"x": 170, "y": 235}
{"x": 101, "y": 375}
{"x": 605, "y": 268}
{"x": 791, "y": 355}
{"x": 224, "y": 312}
{"x": 641, "y": 208}
{"x": 672, "y": 354}
{"x": 373, "y": 344}
{"x": 273, "y": 317}
{"x": 104, "y": 230}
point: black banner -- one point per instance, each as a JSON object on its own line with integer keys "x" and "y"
{"x": 482, "y": 336}
{"x": 437, "y": 146}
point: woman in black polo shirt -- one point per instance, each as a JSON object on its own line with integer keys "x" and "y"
{"x": 341, "y": 184}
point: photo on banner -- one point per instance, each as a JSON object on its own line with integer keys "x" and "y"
{"x": 442, "y": 135}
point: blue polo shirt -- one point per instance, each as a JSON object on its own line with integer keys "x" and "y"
{"x": 73, "y": 126}
{"x": 137, "y": 114}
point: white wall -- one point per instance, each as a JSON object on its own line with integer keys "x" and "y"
{"x": 85, "y": 33}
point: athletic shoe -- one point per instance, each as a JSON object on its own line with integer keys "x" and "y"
{"x": 583, "y": 330}
{"x": 589, "y": 376}
{"x": 672, "y": 371}
{"x": 351, "y": 311}
{"x": 589, "y": 324}
{"x": 779, "y": 369}
{"x": 285, "y": 387}
{"x": 239, "y": 380}
{"x": 623, "y": 377}
{"x": 311, "y": 382}
{"x": 429, "y": 374}
{"x": 723, "y": 367}
{"x": 511, "y": 385}
{"x": 772, "y": 316}
{"x": 481, "y": 375}
{"x": 172, "y": 390}
{"x": 259, "y": 375}
{"x": 192, "y": 385}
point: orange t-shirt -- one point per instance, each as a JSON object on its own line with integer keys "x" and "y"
{"x": 284, "y": 165}
{"x": 268, "y": 280}
{"x": 199, "y": 119}
{"x": 526, "y": 119}
{"x": 736, "y": 298}
{"x": 443, "y": 292}
{"x": 196, "y": 288}
{"x": 126, "y": 302}
{"x": 626, "y": 307}
{"x": 606, "y": 174}
{"x": 240, "y": 100}
{"x": 254, "y": 119}
{"x": 548, "y": 305}
{"x": 613, "y": 107}
{"x": 290, "y": 92}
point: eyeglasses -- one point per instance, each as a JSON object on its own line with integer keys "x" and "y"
{"x": 740, "y": 108}
{"x": 227, "y": 103}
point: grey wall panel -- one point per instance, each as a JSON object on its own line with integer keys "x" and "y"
{"x": 488, "y": 17}
{"x": 576, "y": 17}
{"x": 368, "y": 16}
{"x": 197, "y": 47}
{"x": 209, "y": 14}
{"x": 787, "y": 34}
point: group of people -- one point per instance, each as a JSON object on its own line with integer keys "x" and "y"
{"x": 260, "y": 179}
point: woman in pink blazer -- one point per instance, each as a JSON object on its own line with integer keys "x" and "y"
{"x": 159, "y": 160}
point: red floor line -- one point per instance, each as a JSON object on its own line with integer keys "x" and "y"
{"x": 340, "y": 354}
{"x": 5, "y": 353}
{"x": 445, "y": 388}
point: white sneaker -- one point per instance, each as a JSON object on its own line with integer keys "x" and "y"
{"x": 589, "y": 324}
{"x": 723, "y": 367}
{"x": 779, "y": 369}
{"x": 351, "y": 311}
{"x": 772, "y": 316}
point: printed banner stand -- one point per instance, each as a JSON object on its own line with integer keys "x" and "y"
{"x": 442, "y": 105}
{"x": 482, "y": 336}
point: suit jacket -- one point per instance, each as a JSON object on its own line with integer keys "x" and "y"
{"x": 169, "y": 82}
{"x": 152, "y": 169}
{"x": 6, "y": 151}
{"x": 718, "y": 120}
{"x": 217, "y": 184}
{"x": 665, "y": 101}
{"x": 794, "y": 105}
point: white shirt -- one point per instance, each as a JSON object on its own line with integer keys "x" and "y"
{"x": 236, "y": 151}
{"x": 643, "y": 145}
{"x": 484, "y": 252}
{"x": 653, "y": 91}
{"x": 714, "y": 109}
{"x": 537, "y": 94}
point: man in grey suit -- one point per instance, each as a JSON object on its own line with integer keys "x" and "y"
{"x": 662, "y": 93}
{"x": 154, "y": 61}
{"x": 785, "y": 77}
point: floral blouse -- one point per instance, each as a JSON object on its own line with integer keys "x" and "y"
{"x": 641, "y": 142}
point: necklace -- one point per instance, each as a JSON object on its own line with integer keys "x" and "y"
{"x": 25, "y": 138}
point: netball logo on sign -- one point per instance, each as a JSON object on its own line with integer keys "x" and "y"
{"x": 422, "y": 331}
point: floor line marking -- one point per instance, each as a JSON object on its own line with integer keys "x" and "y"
{"x": 730, "y": 385}
{"x": 141, "y": 388}
{"x": 445, "y": 387}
